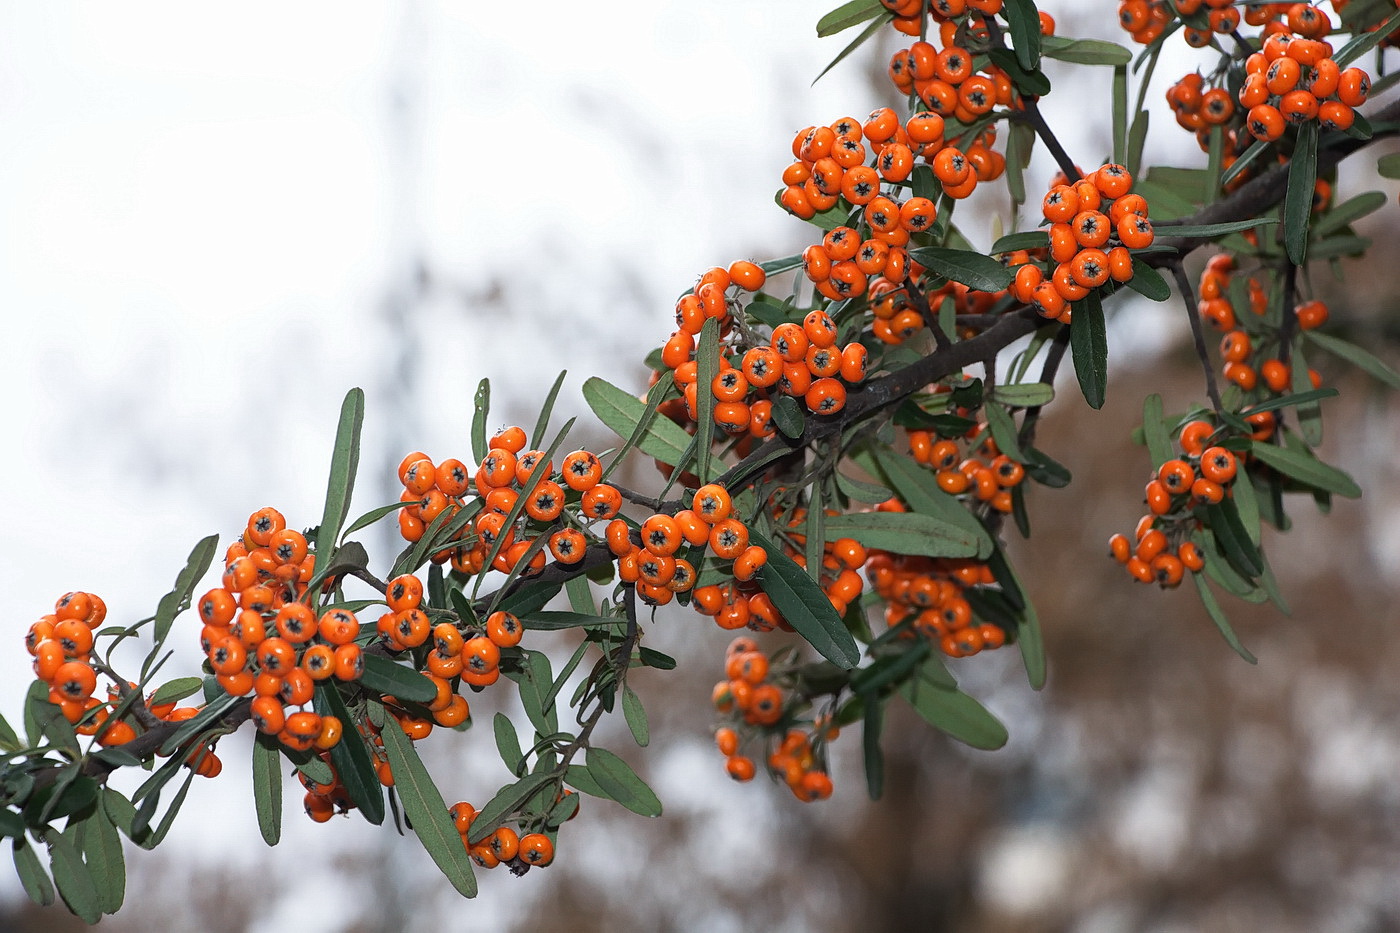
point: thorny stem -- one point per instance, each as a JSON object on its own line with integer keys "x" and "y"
{"x": 1188, "y": 295}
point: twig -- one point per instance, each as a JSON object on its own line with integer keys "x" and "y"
{"x": 1188, "y": 295}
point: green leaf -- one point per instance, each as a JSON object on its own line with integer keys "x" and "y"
{"x": 1388, "y": 166}
{"x": 556, "y": 621}
{"x": 74, "y": 881}
{"x": 563, "y": 810}
{"x": 427, "y": 812}
{"x": 536, "y": 682}
{"x": 905, "y": 533}
{"x": 528, "y": 599}
{"x": 777, "y": 266}
{"x": 372, "y": 516}
{"x": 507, "y": 743}
{"x": 1003, "y": 429}
{"x": 11, "y": 824}
{"x": 1224, "y": 520}
{"x": 1148, "y": 282}
{"x": 9, "y": 740}
{"x": 542, "y": 422}
{"x": 31, "y": 873}
{"x": 874, "y": 756}
{"x": 788, "y": 417}
{"x": 582, "y": 780}
{"x": 481, "y": 410}
{"x": 1247, "y": 505}
{"x": 1088, "y": 342}
{"x": 1298, "y": 200}
{"x": 1029, "y": 638}
{"x": 1085, "y": 52}
{"x": 1287, "y": 401}
{"x": 345, "y": 463}
{"x": 856, "y": 43}
{"x": 178, "y": 599}
{"x": 1024, "y": 394}
{"x": 1348, "y": 212}
{"x": 1356, "y": 356}
{"x": 955, "y": 713}
{"x": 636, "y": 716}
{"x": 861, "y": 490}
{"x": 267, "y": 787}
{"x": 706, "y": 369}
{"x": 1213, "y": 230}
{"x": 804, "y": 605}
{"x": 1027, "y": 239}
{"x": 847, "y": 15}
{"x": 1023, "y": 21}
{"x": 201, "y": 721}
{"x": 1306, "y": 469}
{"x": 972, "y": 269}
{"x": 1218, "y": 617}
{"x": 352, "y": 761}
{"x": 1154, "y": 431}
{"x": 387, "y": 677}
{"x": 507, "y": 800}
{"x": 1120, "y": 113}
{"x": 1363, "y": 42}
{"x": 175, "y": 690}
{"x": 102, "y": 851}
{"x": 620, "y": 782}
{"x": 661, "y": 438}
{"x": 1137, "y": 138}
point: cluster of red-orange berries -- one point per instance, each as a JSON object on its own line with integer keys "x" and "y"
{"x": 61, "y": 644}
{"x": 505, "y": 474}
{"x": 757, "y": 708}
{"x": 505, "y": 845}
{"x": 1159, "y": 552}
{"x": 261, "y": 635}
{"x": 1251, "y": 349}
{"x": 1294, "y": 80}
{"x": 985, "y": 475}
{"x": 930, "y": 595}
{"x": 1094, "y": 222}
{"x": 909, "y": 14}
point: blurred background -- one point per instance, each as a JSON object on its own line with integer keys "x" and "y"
{"x": 217, "y": 220}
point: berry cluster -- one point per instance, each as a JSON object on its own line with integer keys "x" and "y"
{"x": 761, "y": 712}
{"x": 262, "y": 636}
{"x": 505, "y": 844}
{"x": 1094, "y": 222}
{"x": 1161, "y": 551}
{"x": 1293, "y": 80}
{"x": 61, "y": 644}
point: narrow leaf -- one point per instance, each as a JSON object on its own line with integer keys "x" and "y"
{"x": 267, "y": 787}
{"x": 31, "y": 873}
{"x": 1003, "y": 429}
{"x": 662, "y": 438}
{"x": 1148, "y": 282}
{"x": 804, "y": 605}
{"x": 1023, "y": 21}
{"x": 1218, "y": 617}
{"x": 874, "y": 756}
{"x": 955, "y": 713}
{"x": 621, "y": 783}
{"x": 507, "y": 742}
{"x": 847, "y": 15}
{"x": 345, "y": 463}
{"x": 1027, "y": 239}
{"x": 1348, "y": 212}
{"x": 75, "y": 884}
{"x": 542, "y": 422}
{"x": 352, "y": 761}
{"x": 481, "y": 410}
{"x": 856, "y": 43}
{"x": 1024, "y": 394}
{"x": 1154, "y": 431}
{"x": 178, "y": 599}
{"x": 102, "y": 851}
{"x": 636, "y": 716}
{"x": 1306, "y": 469}
{"x": 1356, "y": 356}
{"x": 904, "y": 533}
{"x": 1088, "y": 341}
{"x": 427, "y": 812}
{"x": 972, "y": 269}
{"x": 1085, "y": 52}
{"x": 1213, "y": 230}
{"x": 385, "y": 676}
{"x": 1298, "y": 200}
{"x": 507, "y": 800}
